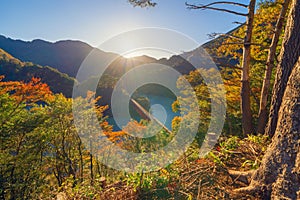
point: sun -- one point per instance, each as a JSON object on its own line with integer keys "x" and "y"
{"x": 155, "y": 53}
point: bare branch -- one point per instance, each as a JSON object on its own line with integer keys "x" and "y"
{"x": 226, "y": 65}
{"x": 244, "y": 177}
{"x": 240, "y": 23}
{"x": 214, "y": 35}
{"x": 233, "y": 43}
{"x": 203, "y": 7}
{"x": 242, "y": 43}
{"x": 228, "y": 3}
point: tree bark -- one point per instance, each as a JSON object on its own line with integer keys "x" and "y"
{"x": 245, "y": 78}
{"x": 91, "y": 162}
{"x": 245, "y": 88}
{"x": 278, "y": 177}
{"x": 289, "y": 54}
{"x": 262, "y": 116}
{"x": 81, "y": 160}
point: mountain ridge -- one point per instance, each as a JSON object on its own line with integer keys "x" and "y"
{"x": 15, "y": 70}
{"x": 68, "y": 55}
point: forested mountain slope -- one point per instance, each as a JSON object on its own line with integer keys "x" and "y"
{"x": 15, "y": 70}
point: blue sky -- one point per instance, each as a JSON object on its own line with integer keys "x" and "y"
{"x": 95, "y": 21}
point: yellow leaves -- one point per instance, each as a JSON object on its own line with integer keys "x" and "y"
{"x": 131, "y": 128}
{"x": 134, "y": 127}
{"x": 176, "y": 122}
{"x": 90, "y": 94}
{"x": 264, "y": 23}
{"x": 164, "y": 171}
{"x": 115, "y": 136}
{"x": 232, "y": 91}
{"x": 106, "y": 126}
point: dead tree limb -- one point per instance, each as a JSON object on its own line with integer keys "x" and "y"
{"x": 210, "y": 6}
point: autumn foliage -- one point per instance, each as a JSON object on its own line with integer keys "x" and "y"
{"x": 30, "y": 92}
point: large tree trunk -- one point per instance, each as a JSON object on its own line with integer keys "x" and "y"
{"x": 91, "y": 162}
{"x": 245, "y": 88}
{"x": 278, "y": 177}
{"x": 262, "y": 116}
{"x": 289, "y": 54}
{"x": 80, "y": 160}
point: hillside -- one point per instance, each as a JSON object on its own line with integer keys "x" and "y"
{"x": 67, "y": 56}
{"x": 15, "y": 70}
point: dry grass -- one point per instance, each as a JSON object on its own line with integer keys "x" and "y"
{"x": 204, "y": 178}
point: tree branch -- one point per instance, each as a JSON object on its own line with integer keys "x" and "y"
{"x": 228, "y": 3}
{"x": 214, "y": 35}
{"x": 242, "y": 43}
{"x": 241, "y": 176}
{"x": 240, "y": 23}
{"x": 226, "y": 65}
{"x": 209, "y": 6}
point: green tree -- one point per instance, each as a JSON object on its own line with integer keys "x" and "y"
{"x": 21, "y": 169}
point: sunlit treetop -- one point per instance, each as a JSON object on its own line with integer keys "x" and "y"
{"x": 30, "y": 92}
{"x": 142, "y": 3}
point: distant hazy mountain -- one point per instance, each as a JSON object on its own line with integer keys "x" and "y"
{"x": 67, "y": 56}
{"x": 15, "y": 70}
